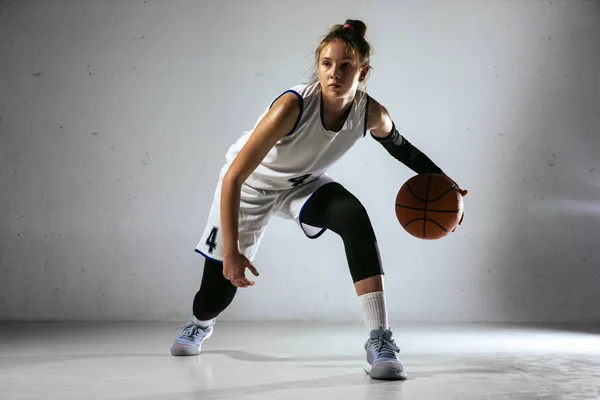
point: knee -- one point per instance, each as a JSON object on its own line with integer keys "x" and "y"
{"x": 349, "y": 212}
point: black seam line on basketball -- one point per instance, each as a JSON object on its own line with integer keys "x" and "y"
{"x": 436, "y": 199}
{"x": 441, "y": 227}
{"x": 425, "y": 219}
{"x": 414, "y": 195}
{"x": 443, "y": 194}
{"x": 411, "y": 221}
{"x": 426, "y": 200}
{"x": 428, "y": 210}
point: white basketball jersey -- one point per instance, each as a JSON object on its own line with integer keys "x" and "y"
{"x": 309, "y": 150}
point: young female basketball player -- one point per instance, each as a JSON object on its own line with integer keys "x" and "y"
{"x": 279, "y": 168}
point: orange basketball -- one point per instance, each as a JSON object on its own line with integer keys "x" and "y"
{"x": 429, "y": 206}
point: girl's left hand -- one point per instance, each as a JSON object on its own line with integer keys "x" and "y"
{"x": 463, "y": 193}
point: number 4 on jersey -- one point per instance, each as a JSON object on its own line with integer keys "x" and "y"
{"x": 299, "y": 180}
{"x": 211, "y": 242}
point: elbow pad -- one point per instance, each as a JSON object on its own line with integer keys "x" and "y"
{"x": 402, "y": 150}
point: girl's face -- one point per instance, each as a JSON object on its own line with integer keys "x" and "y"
{"x": 340, "y": 70}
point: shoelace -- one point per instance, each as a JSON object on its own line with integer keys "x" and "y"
{"x": 193, "y": 331}
{"x": 386, "y": 347}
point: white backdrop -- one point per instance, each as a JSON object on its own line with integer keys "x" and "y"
{"x": 115, "y": 117}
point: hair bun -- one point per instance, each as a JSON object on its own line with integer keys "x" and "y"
{"x": 358, "y": 27}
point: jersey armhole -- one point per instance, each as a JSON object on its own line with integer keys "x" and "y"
{"x": 366, "y": 115}
{"x": 300, "y": 100}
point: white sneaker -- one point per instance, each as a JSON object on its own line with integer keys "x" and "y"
{"x": 189, "y": 341}
{"x": 382, "y": 356}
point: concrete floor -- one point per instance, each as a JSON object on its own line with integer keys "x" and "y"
{"x": 296, "y": 361}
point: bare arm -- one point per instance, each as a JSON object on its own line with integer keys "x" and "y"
{"x": 379, "y": 121}
{"x": 278, "y": 121}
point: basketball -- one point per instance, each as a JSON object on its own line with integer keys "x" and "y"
{"x": 429, "y": 206}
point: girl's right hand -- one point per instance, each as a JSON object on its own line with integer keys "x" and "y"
{"x": 234, "y": 269}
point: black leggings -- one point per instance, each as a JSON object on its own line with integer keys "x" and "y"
{"x": 332, "y": 207}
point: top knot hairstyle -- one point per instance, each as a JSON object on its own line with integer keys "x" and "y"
{"x": 352, "y": 33}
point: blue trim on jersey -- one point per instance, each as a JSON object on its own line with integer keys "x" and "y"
{"x": 300, "y": 99}
{"x": 322, "y": 231}
{"x": 210, "y": 258}
{"x": 366, "y": 115}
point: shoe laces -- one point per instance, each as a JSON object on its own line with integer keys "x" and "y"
{"x": 193, "y": 331}
{"x": 385, "y": 346}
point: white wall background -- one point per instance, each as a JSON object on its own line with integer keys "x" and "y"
{"x": 115, "y": 117}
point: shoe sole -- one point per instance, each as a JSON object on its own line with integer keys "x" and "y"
{"x": 386, "y": 374}
{"x": 184, "y": 350}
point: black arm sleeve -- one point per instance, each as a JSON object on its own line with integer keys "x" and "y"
{"x": 402, "y": 150}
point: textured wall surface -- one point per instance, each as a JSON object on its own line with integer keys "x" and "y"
{"x": 115, "y": 117}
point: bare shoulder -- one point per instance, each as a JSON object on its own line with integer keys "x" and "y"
{"x": 379, "y": 121}
{"x": 277, "y": 122}
{"x": 287, "y": 105}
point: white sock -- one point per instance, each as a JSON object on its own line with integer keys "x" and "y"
{"x": 202, "y": 324}
{"x": 374, "y": 310}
